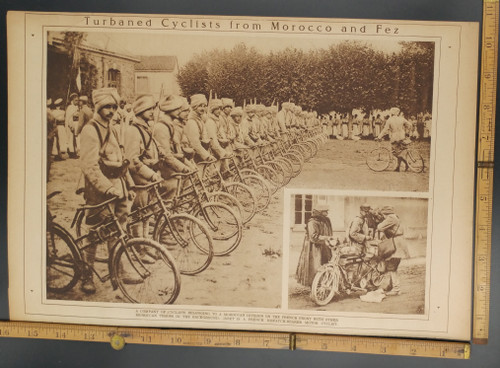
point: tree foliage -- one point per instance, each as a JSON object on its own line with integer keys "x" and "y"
{"x": 342, "y": 77}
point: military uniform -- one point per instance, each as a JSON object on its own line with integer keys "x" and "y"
{"x": 142, "y": 152}
{"x": 392, "y": 230}
{"x": 105, "y": 170}
{"x": 357, "y": 234}
{"x": 71, "y": 124}
{"x": 196, "y": 134}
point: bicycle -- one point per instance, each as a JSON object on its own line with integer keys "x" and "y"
{"x": 224, "y": 225}
{"x": 382, "y": 158}
{"x": 155, "y": 283}
{"x": 243, "y": 198}
{"x": 186, "y": 238}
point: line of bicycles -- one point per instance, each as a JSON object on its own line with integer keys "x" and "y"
{"x": 202, "y": 220}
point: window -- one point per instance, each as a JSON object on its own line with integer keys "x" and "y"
{"x": 114, "y": 78}
{"x": 303, "y": 208}
{"x": 142, "y": 85}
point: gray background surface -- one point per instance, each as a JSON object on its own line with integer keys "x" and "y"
{"x": 34, "y": 353}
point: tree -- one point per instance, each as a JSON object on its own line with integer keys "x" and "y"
{"x": 71, "y": 43}
{"x": 193, "y": 77}
{"x": 416, "y": 61}
{"x": 342, "y": 77}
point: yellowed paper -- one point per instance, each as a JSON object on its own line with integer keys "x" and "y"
{"x": 428, "y": 70}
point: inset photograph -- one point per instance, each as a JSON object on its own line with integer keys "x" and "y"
{"x": 357, "y": 254}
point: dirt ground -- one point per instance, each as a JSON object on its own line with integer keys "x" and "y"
{"x": 343, "y": 166}
{"x": 251, "y": 276}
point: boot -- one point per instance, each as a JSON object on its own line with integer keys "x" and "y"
{"x": 395, "y": 286}
{"x": 399, "y": 164}
{"x": 87, "y": 285}
{"x": 130, "y": 277}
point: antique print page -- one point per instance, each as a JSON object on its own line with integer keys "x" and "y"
{"x": 273, "y": 174}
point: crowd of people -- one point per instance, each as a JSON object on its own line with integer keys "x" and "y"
{"x": 359, "y": 126}
{"x": 370, "y": 223}
{"x": 121, "y": 146}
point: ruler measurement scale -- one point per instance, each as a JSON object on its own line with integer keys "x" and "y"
{"x": 237, "y": 339}
{"x": 485, "y": 156}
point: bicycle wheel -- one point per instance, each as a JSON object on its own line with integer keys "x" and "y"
{"x": 260, "y": 189}
{"x": 325, "y": 284}
{"x": 63, "y": 260}
{"x": 270, "y": 176}
{"x": 287, "y": 167}
{"x": 315, "y": 145}
{"x": 310, "y": 148}
{"x": 299, "y": 155}
{"x": 245, "y": 197}
{"x": 188, "y": 241}
{"x": 295, "y": 161}
{"x": 301, "y": 149}
{"x": 414, "y": 160}
{"x": 155, "y": 282}
{"x": 224, "y": 226}
{"x": 379, "y": 159}
{"x": 229, "y": 200}
{"x": 101, "y": 253}
{"x": 280, "y": 177}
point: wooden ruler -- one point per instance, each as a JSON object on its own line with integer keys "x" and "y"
{"x": 484, "y": 189}
{"x": 119, "y": 336}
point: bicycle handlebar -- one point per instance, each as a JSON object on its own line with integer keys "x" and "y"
{"x": 148, "y": 185}
{"x": 207, "y": 162}
{"x": 102, "y": 204}
{"x": 180, "y": 174}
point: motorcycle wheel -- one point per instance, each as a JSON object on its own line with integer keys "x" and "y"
{"x": 325, "y": 285}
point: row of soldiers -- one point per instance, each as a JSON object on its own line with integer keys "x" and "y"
{"x": 259, "y": 123}
{"x": 66, "y": 124}
{"x": 163, "y": 137}
{"x": 342, "y": 126}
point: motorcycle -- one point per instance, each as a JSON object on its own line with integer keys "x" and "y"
{"x": 347, "y": 272}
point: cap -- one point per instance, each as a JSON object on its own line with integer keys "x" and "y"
{"x": 237, "y": 111}
{"x": 197, "y": 100}
{"x": 227, "y": 102}
{"x": 171, "y": 103}
{"x": 365, "y": 207}
{"x": 394, "y": 111}
{"x": 321, "y": 207}
{"x": 387, "y": 210}
{"x": 214, "y": 104}
{"x": 143, "y": 103}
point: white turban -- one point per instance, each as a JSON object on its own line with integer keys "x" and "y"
{"x": 105, "y": 96}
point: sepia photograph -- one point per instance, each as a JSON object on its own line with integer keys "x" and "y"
{"x": 358, "y": 254}
{"x": 268, "y": 114}
{"x": 178, "y": 169}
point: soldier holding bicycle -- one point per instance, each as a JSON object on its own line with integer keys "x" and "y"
{"x": 142, "y": 152}
{"x": 397, "y": 126}
{"x": 105, "y": 171}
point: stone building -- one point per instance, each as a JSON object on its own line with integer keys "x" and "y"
{"x": 156, "y": 72}
{"x": 95, "y": 63}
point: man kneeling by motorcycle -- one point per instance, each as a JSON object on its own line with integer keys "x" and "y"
{"x": 389, "y": 249}
{"x": 362, "y": 244}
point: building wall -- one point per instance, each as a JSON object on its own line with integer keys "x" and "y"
{"x": 413, "y": 213}
{"x": 126, "y": 67}
{"x": 155, "y": 82}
